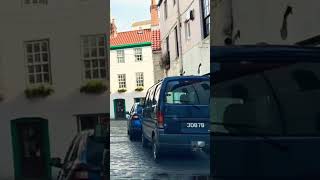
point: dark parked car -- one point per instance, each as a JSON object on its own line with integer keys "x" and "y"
{"x": 176, "y": 115}
{"x": 265, "y": 112}
{"x": 86, "y": 158}
{"x": 134, "y": 121}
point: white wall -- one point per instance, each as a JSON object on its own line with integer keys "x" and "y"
{"x": 146, "y": 26}
{"x": 195, "y": 50}
{"x": 62, "y": 22}
{"x": 130, "y": 67}
{"x": 261, "y": 21}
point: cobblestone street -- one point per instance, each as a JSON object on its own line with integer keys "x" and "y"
{"x": 129, "y": 160}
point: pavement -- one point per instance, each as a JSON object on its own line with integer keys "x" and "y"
{"x": 129, "y": 160}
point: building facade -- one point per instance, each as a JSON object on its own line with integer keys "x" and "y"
{"x": 47, "y": 54}
{"x": 185, "y": 36}
{"x": 272, "y": 22}
{"x": 131, "y": 69}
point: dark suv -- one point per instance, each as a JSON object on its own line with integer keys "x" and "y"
{"x": 265, "y": 112}
{"x": 176, "y": 115}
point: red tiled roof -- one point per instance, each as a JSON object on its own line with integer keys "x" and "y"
{"x": 131, "y": 37}
{"x": 156, "y": 42}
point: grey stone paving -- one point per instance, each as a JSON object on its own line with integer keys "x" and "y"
{"x": 129, "y": 160}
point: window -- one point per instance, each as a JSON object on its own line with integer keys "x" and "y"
{"x": 38, "y": 62}
{"x": 167, "y": 44}
{"x": 138, "y": 54}
{"x": 206, "y": 17}
{"x": 122, "y": 80}
{"x": 187, "y": 29}
{"x": 139, "y": 79}
{"x": 165, "y": 9}
{"x": 192, "y": 92}
{"x": 93, "y": 56}
{"x": 177, "y": 41}
{"x": 120, "y": 56}
{"x": 35, "y": 2}
{"x": 90, "y": 121}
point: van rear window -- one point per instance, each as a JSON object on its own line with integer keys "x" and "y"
{"x": 188, "y": 92}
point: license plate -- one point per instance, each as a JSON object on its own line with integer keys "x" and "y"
{"x": 195, "y": 125}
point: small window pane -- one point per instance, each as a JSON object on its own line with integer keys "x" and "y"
{"x": 95, "y": 63}
{"x": 39, "y": 78}
{"x": 36, "y": 47}
{"x": 101, "y": 51}
{"x": 45, "y": 57}
{"x": 46, "y": 68}
{"x": 96, "y": 73}
{"x": 86, "y": 52}
{"x": 46, "y": 77}
{"x": 102, "y": 62}
{"x": 38, "y": 68}
{"x": 93, "y": 52}
{"x": 103, "y": 73}
{"x": 30, "y": 58}
{"x": 31, "y": 78}
{"x": 37, "y": 57}
{"x": 44, "y": 46}
{"x": 87, "y": 64}
{"x": 31, "y": 69}
{"x": 88, "y": 74}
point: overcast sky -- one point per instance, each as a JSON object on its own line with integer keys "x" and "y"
{"x": 126, "y": 12}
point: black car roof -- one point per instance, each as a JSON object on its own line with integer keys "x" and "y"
{"x": 264, "y": 53}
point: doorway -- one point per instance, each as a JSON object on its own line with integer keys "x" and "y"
{"x": 120, "y": 108}
{"x": 31, "y": 150}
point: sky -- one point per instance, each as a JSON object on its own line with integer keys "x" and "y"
{"x": 126, "y": 12}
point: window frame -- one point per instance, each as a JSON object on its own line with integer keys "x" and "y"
{"x": 120, "y": 55}
{"x": 177, "y": 41}
{"x": 205, "y": 17}
{"x": 87, "y": 58}
{"x": 139, "y": 79}
{"x": 124, "y": 79}
{"x": 138, "y": 55}
{"x": 165, "y": 6}
{"x": 41, "y": 62}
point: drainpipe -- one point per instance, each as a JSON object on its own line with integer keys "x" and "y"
{"x": 179, "y": 38}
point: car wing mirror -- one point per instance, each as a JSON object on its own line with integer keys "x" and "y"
{"x": 56, "y": 162}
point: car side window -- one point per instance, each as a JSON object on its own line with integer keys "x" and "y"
{"x": 156, "y": 95}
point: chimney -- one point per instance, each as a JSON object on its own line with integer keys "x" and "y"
{"x": 113, "y": 29}
{"x": 154, "y": 13}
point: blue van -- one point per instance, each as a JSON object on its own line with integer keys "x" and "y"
{"x": 176, "y": 115}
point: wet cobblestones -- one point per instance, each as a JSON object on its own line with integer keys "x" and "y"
{"x": 129, "y": 160}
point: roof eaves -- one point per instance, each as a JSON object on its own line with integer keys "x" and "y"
{"x": 123, "y": 46}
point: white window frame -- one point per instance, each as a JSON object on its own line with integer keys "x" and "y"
{"x": 139, "y": 79}
{"x": 138, "y": 54}
{"x": 187, "y": 30}
{"x": 35, "y": 59}
{"x": 94, "y": 57}
{"x": 122, "y": 81}
{"x": 120, "y": 56}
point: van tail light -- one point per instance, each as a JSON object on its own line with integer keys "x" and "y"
{"x": 160, "y": 119}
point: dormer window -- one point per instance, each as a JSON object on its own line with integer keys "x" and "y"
{"x": 140, "y": 31}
